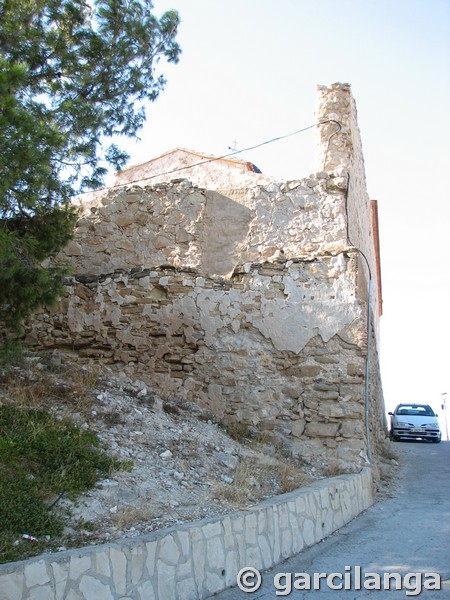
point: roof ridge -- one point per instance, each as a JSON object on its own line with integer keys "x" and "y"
{"x": 209, "y": 157}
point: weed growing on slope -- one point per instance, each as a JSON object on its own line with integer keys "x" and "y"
{"x": 253, "y": 481}
{"x": 40, "y": 458}
{"x": 11, "y": 353}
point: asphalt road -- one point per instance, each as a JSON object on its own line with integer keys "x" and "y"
{"x": 406, "y": 533}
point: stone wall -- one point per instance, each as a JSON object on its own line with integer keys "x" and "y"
{"x": 211, "y": 231}
{"x": 239, "y": 347}
{"x": 195, "y": 560}
{"x": 251, "y": 301}
{"x": 340, "y": 152}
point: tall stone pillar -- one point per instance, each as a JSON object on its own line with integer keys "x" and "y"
{"x": 337, "y": 131}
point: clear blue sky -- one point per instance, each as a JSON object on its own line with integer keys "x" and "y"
{"x": 248, "y": 73}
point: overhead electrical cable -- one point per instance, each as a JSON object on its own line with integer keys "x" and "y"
{"x": 224, "y": 156}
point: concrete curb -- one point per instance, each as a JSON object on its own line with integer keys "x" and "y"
{"x": 195, "y": 560}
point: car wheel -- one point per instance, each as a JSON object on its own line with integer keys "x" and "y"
{"x": 393, "y": 437}
{"x": 436, "y": 440}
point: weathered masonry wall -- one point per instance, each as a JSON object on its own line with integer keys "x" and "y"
{"x": 228, "y": 345}
{"x": 212, "y": 232}
{"x": 277, "y": 344}
{"x": 250, "y": 301}
{"x": 340, "y": 152}
{"x": 196, "y": 560}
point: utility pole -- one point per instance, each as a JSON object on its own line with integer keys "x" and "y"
{"x": 444, "y": 408}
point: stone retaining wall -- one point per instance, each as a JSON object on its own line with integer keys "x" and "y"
{"x": 198, "y": 559}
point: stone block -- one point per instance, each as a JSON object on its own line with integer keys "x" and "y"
{"x": 125, "y": 244}
{"x": 119, "y": 569}
{"x": 238, "y": 523}
{"x": 298, "y": 427}
{"x": 143, "y": 591}
{"x": 186, "y": 590}
{"x": 283, "y": 516}
{"x": 150, "y": 563}
{"x": 43, "y": 592}
{"x": 199, "y": 561}
{"x": 232, "y": 565}
{"x": 166, "y": 579}
{"x": 265, "y": 552}
{"x": 330, "y": 395}
{"x": 60, "y": 572}
{"x": 132, "y": 198}
{"x": 321, "y": 429}
{"x": 304, "y": 371}
{"x": 73, "y": 249}
{"x": 215, "y": 553}
{"x": 94, "y": 589}
{"x": 168, "y": 551}
{"x": 331, "y": 409}
{"x": 326, "y": 387}
{"x": 184, "y": 569}
{"x": 228, "y": 536}
{"x": 251, "y": 528}
{"x": 352, "y": 429}
{"x": 213, "y": 583}
{"x": 36, "y": 573}
{"x": 286, "y": 543}
{"x": 241, "y": 548}
{"x": 254, "y": 558}
{"x": 73, "y": 595}
{"x": 298, "y": 542}
{"x": 137, "y": 560}
{"x": 11, "y": 586}
{"x": 276, "y": 551}
{"x": 300, "y": 505}
{"x": 355, "y": 369}
{"x": 212, "y": 529}
{"x": 293, "y": 391}
{"x": 102, "y": 566}
{"x": 263, "y": 523}
{"x": 308, "y": 532}
{"x": 327, "y": 360}
{"x": 124, "y": 220}
{"x": 184, "y": 542}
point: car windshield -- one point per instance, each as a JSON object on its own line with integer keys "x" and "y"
{"x": 414, "y": 410}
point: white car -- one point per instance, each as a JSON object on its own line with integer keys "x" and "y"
{"x": 414, "y": 421}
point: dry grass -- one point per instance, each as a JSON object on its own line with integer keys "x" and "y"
{"x": 129, "y": 516}
{"x": 254, "y": 481}
{"x": 243, "y": 486}
{"x": 43, "y": 389}
{"x": 240, "y": 432}
{"x": 291, "y": 478}
{"x": 333, "y": 470}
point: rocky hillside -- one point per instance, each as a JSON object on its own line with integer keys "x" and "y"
{"x": 184, "y": 465}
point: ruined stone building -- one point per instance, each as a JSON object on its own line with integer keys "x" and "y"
{"x": 217, "y": 285}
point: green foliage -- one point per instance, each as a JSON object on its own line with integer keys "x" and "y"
{"x": 73, "y": 74}
{"x": 25, "y": 284}
{"x": 41, "y": 457}
{"x": 11, "y": 354}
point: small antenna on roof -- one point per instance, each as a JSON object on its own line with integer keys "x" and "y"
{"x": 234, "y": 147}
